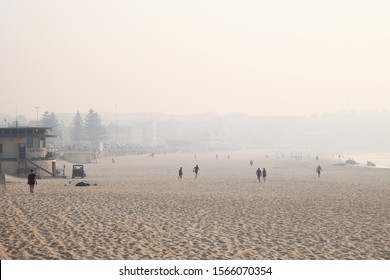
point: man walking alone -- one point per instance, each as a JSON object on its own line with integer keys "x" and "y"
{"x": 32, "y": 181}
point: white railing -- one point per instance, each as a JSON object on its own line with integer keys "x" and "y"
{"x": 36, "y": 152}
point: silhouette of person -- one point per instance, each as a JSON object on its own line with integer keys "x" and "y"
{"x": 319, "y": 169}
{"x": 264, "y": 174}
{"x": 258, "y": 173}
{"x": 32, "y": 181}
{"x": 180, "y": 173}
{"x": 251, "y": 163}
{"x": 196, "y": 170}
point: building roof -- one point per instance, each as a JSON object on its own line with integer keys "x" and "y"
{"x": 25, "y": 131}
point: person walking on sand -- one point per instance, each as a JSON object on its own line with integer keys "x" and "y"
{"x": 196, "y": 170}
{"x": 258, "y": 173}
{"x": 319, "y": 169}
{"x": 180, "y": 173}
{"x": 264, "y": 174}
{"x": 251, "y": 163}
{"x": 32, "y": 180}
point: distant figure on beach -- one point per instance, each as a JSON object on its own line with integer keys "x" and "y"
{"x": 216, "y": 156}
{"x": 113, "y": 160}
{"x": 264, "y": 174}
{"x": 319, "y": 169}
{"x": 195, "y": 156}
{"x": 251, "y": 163}
{"x": 228, "y": 156}
{"x": 258, "y": 173}
{"x": 317, "y": 158}
{"x": 32, "y": 181}
{"x": 196, "y": 170}
{"x": 180, "y": 173}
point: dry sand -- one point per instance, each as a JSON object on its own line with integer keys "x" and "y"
{"x": 139, "y": 209}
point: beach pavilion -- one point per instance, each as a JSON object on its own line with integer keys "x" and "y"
{"x": 23, "y": 148}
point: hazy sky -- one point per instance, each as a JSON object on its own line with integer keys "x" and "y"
{"x": 277, "y": 57}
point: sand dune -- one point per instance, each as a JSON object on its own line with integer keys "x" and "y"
{"x": 140, "y": 210}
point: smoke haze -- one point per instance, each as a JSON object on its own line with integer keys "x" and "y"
{"x": 278, "y": 58}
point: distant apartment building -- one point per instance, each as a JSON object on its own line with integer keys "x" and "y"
{"x": 136, "y": 135}
{"x": 149, "y": 133}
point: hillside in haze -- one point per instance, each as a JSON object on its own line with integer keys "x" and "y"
{"x": 366, "y": 131}
{"x": 345, "y": 131}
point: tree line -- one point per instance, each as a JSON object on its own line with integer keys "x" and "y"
{"x": 89, "y": 128}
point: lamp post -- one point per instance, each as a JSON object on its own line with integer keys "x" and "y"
{"x": 116, "y": 125}
{"x": 37, "y": 108}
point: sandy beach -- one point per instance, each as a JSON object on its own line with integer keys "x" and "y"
{"x": 139, "y": 209}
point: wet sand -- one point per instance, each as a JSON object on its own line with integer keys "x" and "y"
{"x": 139, "y": 209}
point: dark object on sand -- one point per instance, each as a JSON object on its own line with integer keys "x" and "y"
{"x": 370, "y": 163}
{"x": 351, "y": 161}
{"x": 78, "y": 171}
{"x": 82, "y": 184}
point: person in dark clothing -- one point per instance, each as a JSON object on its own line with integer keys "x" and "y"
{"x": 264, "y": 174}
{"x": 258, "y": 173}
{"x": 251, "y": 162}
{"x": 196, "y": 170}
{"x": 319, "y": 169}
{"x": 180, "y": 173}
{"x": 32, "y": 181}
